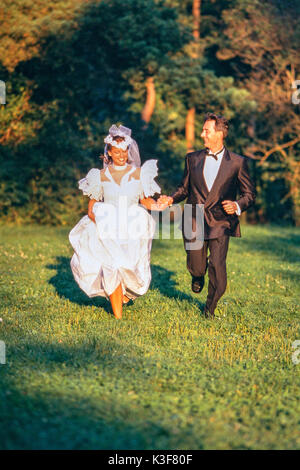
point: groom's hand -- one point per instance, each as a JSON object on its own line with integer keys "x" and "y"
{"x": 230, "y": 207}
{"x": 164, "y": 199}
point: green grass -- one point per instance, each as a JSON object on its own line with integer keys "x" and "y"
{"x": 164, "y": 377}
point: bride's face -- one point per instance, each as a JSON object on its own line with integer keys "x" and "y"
{"x": 119, "y": 156}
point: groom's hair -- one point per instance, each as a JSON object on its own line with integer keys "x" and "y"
{"x": 221, "y": 123}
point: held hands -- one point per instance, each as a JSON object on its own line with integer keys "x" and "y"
{"x": 164, "y": 201}
{"x": 160, "y": 205}
{"x": 229, "y": 207}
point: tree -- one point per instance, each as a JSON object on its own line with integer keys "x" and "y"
{"x": 143, "y": 34}
{"x": 66, "y": 83}
{"x": 259, "y": 43}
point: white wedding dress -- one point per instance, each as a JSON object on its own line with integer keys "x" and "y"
{"x": 116, "y": 249}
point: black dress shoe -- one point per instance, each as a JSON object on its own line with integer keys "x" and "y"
{"x": 197, "y": 284}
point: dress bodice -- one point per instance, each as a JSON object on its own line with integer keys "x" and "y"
{"x": 130, "y": 189}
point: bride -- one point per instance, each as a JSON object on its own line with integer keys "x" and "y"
{"x": 112, "y": 244}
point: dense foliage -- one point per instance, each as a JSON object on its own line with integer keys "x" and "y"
{"x": 71, "y": 68}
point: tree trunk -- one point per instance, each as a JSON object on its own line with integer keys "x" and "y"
{"x": 150, "y": 100}
{"x": 196, "y": 19}
{"x": 190, "y": 129}
{"x": 190, "y": 118}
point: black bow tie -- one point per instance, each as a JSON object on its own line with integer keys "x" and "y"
{"x": 214, "y": 155}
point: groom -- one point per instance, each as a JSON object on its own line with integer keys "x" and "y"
{"x": 213, "y": 177}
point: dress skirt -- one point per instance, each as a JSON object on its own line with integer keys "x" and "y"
{"x": 113, "y": 250}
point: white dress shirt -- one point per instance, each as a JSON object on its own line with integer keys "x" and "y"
{"x": 210, "y": 171}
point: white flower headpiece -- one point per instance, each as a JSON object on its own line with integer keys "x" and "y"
{"x": 121, "y": 131}
{"x": 119, "y": 145}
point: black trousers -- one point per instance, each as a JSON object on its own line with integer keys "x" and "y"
{"x": 198, "y": 261}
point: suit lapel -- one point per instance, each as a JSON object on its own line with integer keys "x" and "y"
{"x": 220, "y": 178}
{"x": 200, "y": 176}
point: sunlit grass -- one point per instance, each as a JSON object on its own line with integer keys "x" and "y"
{"x": 164, "y": 376}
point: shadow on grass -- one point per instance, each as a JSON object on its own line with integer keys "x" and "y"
{"x": 71, "y": 414}
{"x": 71, "y": 427}
{"x": 66, "y": 287}
{"x": 283, "y": 246}
{"x": 61, "y": 421}
{"x": 162, "y": 280}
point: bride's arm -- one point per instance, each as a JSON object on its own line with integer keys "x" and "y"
{"x": 90, "y": 209}
{"x": 149, "y": 187}
{"x": 91, "y": 186}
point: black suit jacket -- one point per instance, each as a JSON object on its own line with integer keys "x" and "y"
{"x": 233, "y": 177}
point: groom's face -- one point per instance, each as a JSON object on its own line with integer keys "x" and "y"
{"x": 212, "y": 138}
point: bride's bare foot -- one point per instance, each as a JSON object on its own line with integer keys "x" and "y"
{"x": 125, "y": 299}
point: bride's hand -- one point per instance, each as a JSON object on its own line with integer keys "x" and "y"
{"x": 164, "y": 199}
{"x": 151, "y": 205}
{"x": 159, "y": 206}
{"x": 90, "y": 210}
{"x": 92, "y": 216}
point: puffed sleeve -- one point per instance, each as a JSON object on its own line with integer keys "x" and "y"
{"x": 148, "y": 173}
{"x": 91, "y": 185}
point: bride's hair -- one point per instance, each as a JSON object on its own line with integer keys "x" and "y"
{"x": 122, "y": 137}
{"x": 107, "y": 158}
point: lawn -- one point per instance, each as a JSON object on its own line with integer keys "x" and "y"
{"x": 163, "y": 377}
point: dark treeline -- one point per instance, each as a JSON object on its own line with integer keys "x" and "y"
{"x": 72, "y": 68}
